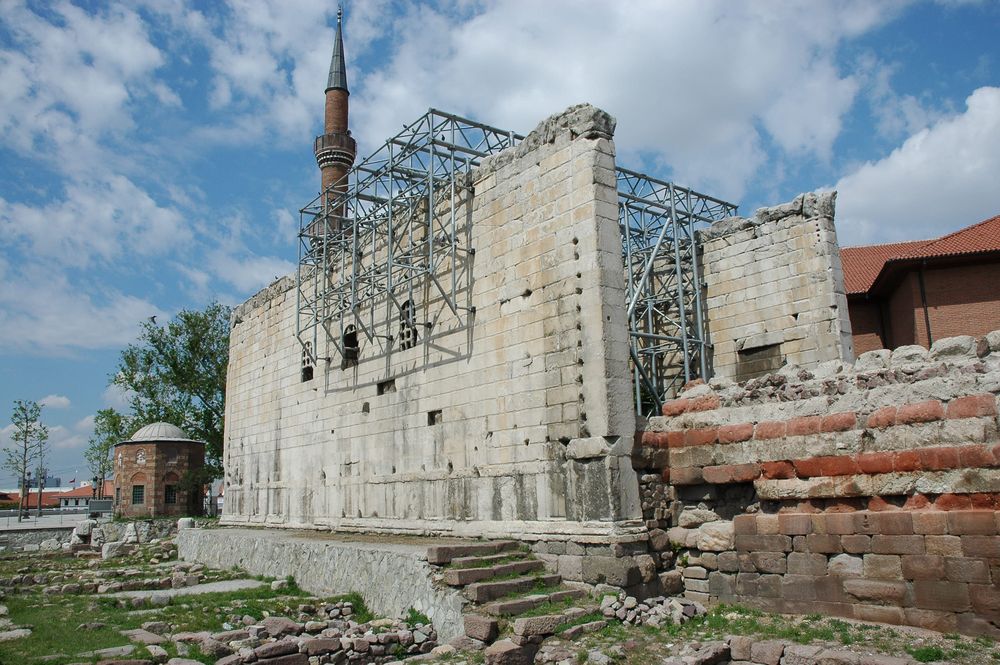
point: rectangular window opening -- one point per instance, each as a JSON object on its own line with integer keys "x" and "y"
{"x": 138, "y": 495}
{"x": 434, "y": 417}
{"x": 170, "y": 494}
{"x": 758, "y": 361}
{"x": 386, "y": 387}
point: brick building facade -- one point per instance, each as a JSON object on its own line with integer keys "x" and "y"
{"x": 149, "y": 468}
{"x": 921, "y": 291}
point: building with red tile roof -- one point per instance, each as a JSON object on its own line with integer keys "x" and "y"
{"x": 919, "y": 291}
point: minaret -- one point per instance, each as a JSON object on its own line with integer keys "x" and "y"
{"x": 335, "y": 149}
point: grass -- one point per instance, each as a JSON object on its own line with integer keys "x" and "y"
{"x": 413, "y": 617}
{"x": 926, "y": 654}
{"x": 54, "y": 620}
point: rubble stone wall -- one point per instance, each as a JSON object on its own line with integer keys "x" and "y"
{"x": 774, "y": 289}
{"x": 514, "y": 419}
{"x": 867, "y": 490}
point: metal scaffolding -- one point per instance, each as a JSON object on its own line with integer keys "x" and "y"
{"x": 398, "y": 225}
{"x": 668, "y": 339}
{"x": 393, "y": 228}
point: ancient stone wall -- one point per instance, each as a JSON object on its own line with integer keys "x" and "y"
{"x": 775, "y": 290}
{"x": 867, "y": 490}
{"x": 514, "y": 419}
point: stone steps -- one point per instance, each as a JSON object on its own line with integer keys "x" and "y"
{"x": 515, "y": 606}
{"x": 487, "y": 560}
{"x": 463, "y": 576}
{"x": 483, "y": 592}
{"x": 440, "y": 555}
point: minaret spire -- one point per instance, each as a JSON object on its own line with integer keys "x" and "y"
{"x": 335, "y": 149}
{"x": 338, "y": 68}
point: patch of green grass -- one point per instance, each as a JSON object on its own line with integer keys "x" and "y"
{"x": 927, "y": 654}
{"x": 413, "y": 617}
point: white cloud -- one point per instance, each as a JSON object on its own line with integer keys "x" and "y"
{"x": 701, "y": 87}
{"x": 55, "y": 401}
{"x": 940, "y": 179}
{"x": 63, "y": 438}
{"x": 99, "y": 219}
{"x": 72, "y": 79}
{"x": 116, "y": 397}
{"x": 249, "y": 273}
{"x": 44, "y": 312}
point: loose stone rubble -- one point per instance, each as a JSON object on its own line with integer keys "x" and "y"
{"x": 651, "y": 611}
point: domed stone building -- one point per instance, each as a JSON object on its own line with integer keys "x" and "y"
{"x": 148, "y": 472}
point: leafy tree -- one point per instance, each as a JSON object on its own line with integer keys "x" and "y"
{"x": 177, "y": 374}
{"x": 29, "y": 438}
{"x": 110, "y": 428}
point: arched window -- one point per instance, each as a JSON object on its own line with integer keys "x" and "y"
{"x": 349, "y": 342}
{"x": 139, "y": 488}
{"x": 407, "y": 326}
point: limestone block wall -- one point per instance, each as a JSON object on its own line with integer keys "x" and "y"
{"x": 867, "y": 490}
{"x": 517, "y": 418}
{"x": 774, "y": 289}
{"x": 377, "y": 570}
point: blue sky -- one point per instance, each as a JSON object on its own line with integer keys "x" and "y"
{"x": 153, "y": 153}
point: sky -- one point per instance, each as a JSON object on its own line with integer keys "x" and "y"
{"x": 154, "y": 153}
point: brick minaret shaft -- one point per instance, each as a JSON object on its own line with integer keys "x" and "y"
{"x": 335, "y": 149}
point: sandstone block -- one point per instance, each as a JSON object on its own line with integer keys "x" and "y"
{"x": 767, "y": 652}
{"x": 716, "y": 536}
{"x": 505, "y": 652}
{"x": 846, "y": 565}
{"x": 897, "y": 544}
{"x": 923, "y": 567}
{"x": 945, "y": 596}
{"x": 883, "y": 567}
{"x": 876, "y": 591}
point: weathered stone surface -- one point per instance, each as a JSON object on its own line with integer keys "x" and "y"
{"x": 143, "y": 636}
{"x": 116, "y": 549}
{"x": 537, "y": 625}
{"x": 274, "y": 649}
{"x": 505, "y": 652}
{"x": 716, "y": 536}
{"x": 484, "y": 629}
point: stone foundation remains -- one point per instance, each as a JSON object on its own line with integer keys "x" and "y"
{"x": 869, "y": 490}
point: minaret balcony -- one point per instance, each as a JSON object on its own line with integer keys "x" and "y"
{"x": 339, "y": 148}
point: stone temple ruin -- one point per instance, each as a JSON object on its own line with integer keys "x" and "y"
{"x": 496, "y": 336}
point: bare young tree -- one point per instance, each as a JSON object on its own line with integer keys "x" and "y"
{"x": 29, "y": 438}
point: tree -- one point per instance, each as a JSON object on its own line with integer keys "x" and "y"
{"x": 110, "y": 428}
{"x": 177, "y": 374}
{"x": 29, "y": 437}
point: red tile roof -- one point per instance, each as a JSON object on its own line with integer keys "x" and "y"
{"x": 86, "y": 491}
{"x": 863, "y": 265}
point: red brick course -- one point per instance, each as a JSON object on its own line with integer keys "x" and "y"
{"x": 972, "y": 406}
{"x": 920, "y": 412}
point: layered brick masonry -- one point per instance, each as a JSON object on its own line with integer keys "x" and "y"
{"x": 869, "y": 490}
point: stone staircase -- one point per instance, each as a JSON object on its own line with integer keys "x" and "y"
{"x": 502, "y": 580}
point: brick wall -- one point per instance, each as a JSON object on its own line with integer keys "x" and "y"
{"x": 866, "y": 324}
{"x": 961, "y": 300}
{"x": 160, "y": 463}
{"x": 869, "y": 490}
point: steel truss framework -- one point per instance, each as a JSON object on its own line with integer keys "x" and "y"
{"x": 396, "y": 228}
